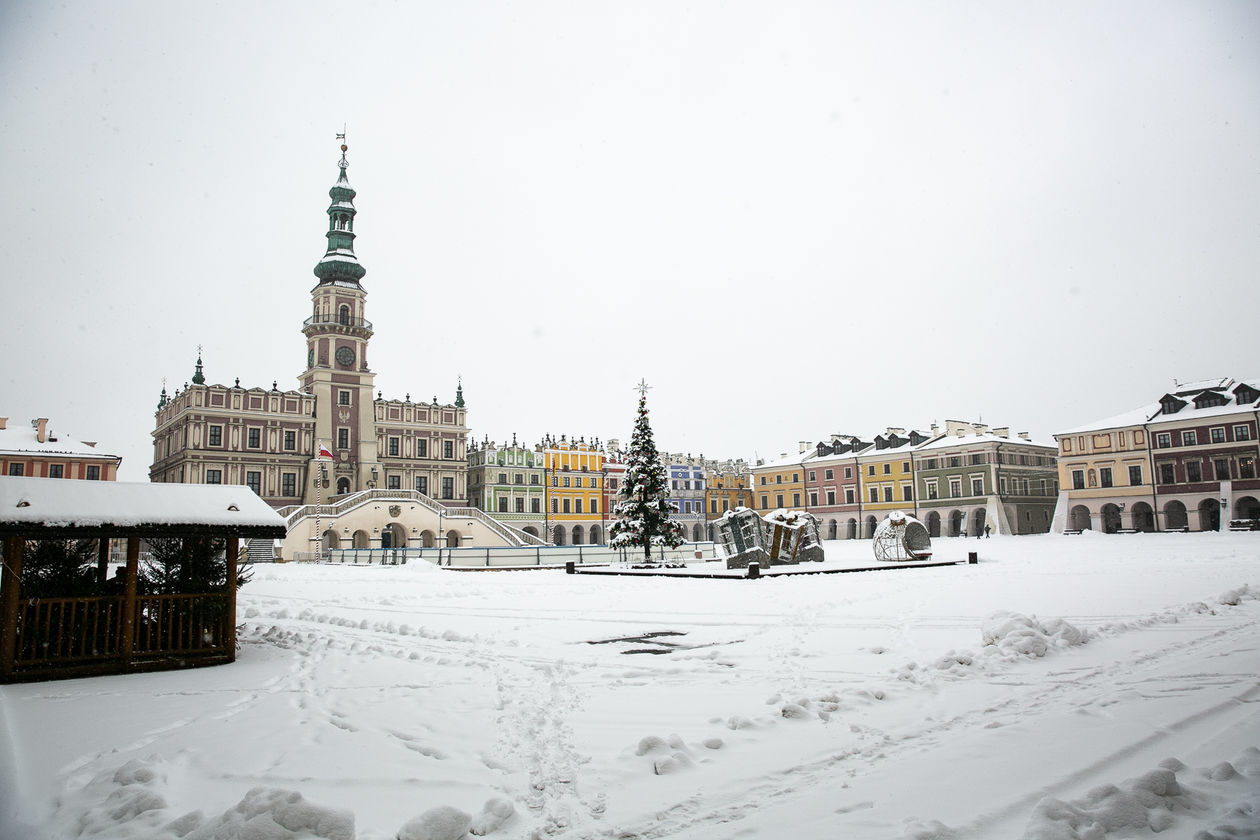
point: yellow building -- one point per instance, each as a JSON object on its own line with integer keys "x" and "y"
{"x": 886, "y": 472}
{"x": 575, "y": 491}
{"x": 726, "y": 487}
{"x": 781, "y": 483}
{"x": 1104, "y": 476}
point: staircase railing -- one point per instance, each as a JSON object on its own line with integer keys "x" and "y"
{"x": 514, "y": 536}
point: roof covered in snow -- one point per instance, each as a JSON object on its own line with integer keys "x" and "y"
{"x": 1184, "y": 392}
{"x": 785, "y": 461}
{"x": 22, "y": 438}
{"x": 950, "y": 441}
{"x": 34, "y": 505}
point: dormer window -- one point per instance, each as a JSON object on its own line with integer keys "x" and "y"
{"x": 1170, "y": 404}
{"x": 1209, "y": 399}
{"x": 1246, "y": 394}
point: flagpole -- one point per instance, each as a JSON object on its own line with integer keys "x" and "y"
{"x": 319, "y": 503}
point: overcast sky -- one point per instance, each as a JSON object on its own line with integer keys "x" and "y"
{"x": 792, "y": 219}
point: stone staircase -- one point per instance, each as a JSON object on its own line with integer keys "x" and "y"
{"x": 512, "y": 536}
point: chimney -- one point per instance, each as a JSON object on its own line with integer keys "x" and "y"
{"x": 41, "y": 429}
{"x": 936, "y": 430}
{"x": 1024, "y": 436}
{"x": 804, "y": 445}
{"x": 1002, "y": 431}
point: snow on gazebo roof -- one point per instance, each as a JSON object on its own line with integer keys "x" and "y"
{"x": 113, "y": 508}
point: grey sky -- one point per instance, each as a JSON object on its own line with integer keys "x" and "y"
{"x": 1035, "y": 213}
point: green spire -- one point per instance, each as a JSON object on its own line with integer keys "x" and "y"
{"x": 163, "y": 400}
{"x": 198, "y": 377}
{"x": 339, "y": 263}
{"x": 459, "y": 393}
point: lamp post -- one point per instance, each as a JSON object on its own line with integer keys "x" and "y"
{"x": 546, "y": 499}
{"x": 603, "y": 501}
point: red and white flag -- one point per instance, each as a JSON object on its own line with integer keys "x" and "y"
{"x": 323, "y": 452}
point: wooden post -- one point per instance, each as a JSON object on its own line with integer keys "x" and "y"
{"x": 232, "y": 548}
{"x": 128, "y": 640}
{"x": 973, "y": 558}
{"x": 102, "y": 560}
{"x": 10, "y": 596}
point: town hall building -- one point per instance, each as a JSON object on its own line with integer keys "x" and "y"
{"x": 333, "y": 434}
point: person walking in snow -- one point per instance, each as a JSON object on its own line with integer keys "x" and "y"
{"x": 986, "y": 532}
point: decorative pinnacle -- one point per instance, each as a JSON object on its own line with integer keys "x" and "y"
{"x": 643, "y": 387}
{"x": 343, "y": 163}
{"x": 198, "y": 377}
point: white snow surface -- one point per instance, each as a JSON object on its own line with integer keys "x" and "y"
{"x": 92, "y": 504}
{"x": 1065, "y": 688}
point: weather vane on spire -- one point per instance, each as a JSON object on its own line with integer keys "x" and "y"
{"x": 344, "y": 147}
{"x": 643, "y": 387}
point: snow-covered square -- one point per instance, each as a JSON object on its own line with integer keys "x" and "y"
{"x": 1065, "y": 687}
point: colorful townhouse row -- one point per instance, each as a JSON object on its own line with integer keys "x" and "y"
{"x": 566, "y": 490}
{"x": 956, "y": 480}
{"x": 1185, "y": 462}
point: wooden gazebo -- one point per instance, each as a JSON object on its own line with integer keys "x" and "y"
{"x": 119, "y": 630}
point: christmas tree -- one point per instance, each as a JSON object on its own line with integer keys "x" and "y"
{"x": 644, "y": 510}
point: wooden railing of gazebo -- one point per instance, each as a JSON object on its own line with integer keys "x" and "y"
{"x": 43, "y": 638}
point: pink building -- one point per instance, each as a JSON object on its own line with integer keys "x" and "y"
{"x": 39, "y": 451}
